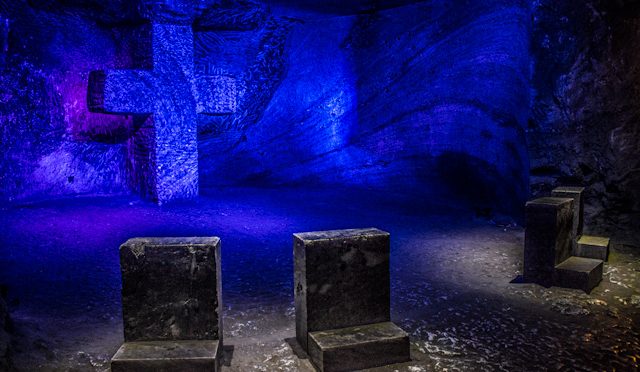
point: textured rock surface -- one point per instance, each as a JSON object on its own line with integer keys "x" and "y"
{"x": 171, "y": 289}
{"x": 51, "y": 144}
{"x": 412, "y": 99}
{"x": 428, "y": 96}
{"x": 548, "y": 240}
{"x": 54, "y": 144}
{"x": 585, "y": 126}
{"x": 341, "y": 280}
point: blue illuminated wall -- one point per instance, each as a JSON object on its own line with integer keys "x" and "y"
{"x": 429, "y": 99}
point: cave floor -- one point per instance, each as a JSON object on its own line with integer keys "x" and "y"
{"x": 452, "y": 283}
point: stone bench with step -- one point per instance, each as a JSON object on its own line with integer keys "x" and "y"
{"x": 342, "y": 300}
{"x": 548, "y": 258}
{"x": 171, "y": 305}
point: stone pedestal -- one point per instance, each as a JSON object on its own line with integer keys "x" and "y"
{"x": 548, "y": 238}
{"x": 341, "y": 282}
{"x": 171, "y": 304}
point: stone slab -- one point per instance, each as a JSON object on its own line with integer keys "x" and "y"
{"x": 341, "y": 280}
{"x": 548, "y": 239}
{"x": 359, "y": 347}
{"x": 171, "y": 289}
{"x": 575, "y": 193}
{"x": 596, "y": 247}
{"x": 167, "y": 356}
{"x": 579, "y": 273}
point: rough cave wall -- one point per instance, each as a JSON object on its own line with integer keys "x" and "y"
{"x": 302, "y": 118}
{"x": 443, "y": 94}
{"x": 424, "y": 97}
{"x": 585, "y": 126}
{"x": 420, "y": 98}
{"x": 51, "y": 144}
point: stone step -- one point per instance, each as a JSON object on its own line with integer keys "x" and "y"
{"x": 359, "y": 347}
{"x": 579, "y": 273}
{"x": 596, "y": 247}
{"x": 161, "y": 356}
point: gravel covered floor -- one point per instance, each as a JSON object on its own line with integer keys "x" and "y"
{"x": 454, "y": 283}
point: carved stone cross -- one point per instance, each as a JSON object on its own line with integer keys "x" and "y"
{"x": 163, "y": 153}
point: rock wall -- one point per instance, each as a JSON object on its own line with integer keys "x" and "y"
{"x": 443, "y": 97}
{"x": 585, "y": 125}
{"x": 429, "y": 99}
{"x": 51, "y": 144}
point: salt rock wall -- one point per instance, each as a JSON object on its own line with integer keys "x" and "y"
{"x": 585, "y": 126}
{"x": 51, "y": 144}
{"x": 425, "y": 97}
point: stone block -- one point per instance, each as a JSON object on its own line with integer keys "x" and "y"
{"x": 596, "y": 247}
{"x": 171, "y": 305}
{"x": 548, "y": 240}
{"x": 167, "y": 356}
{"x": 341, "y": 280}
{"x": 171, "y": 289}
{"x": 575, "y": 193}
{"x": 360, "y": 347}
{"x": 579, "y": 273}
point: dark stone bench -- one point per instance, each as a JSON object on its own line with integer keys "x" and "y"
{"x": 549, "y": 246}
{"x": 171, "y": 305}
{"x": 342, "y": 298}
